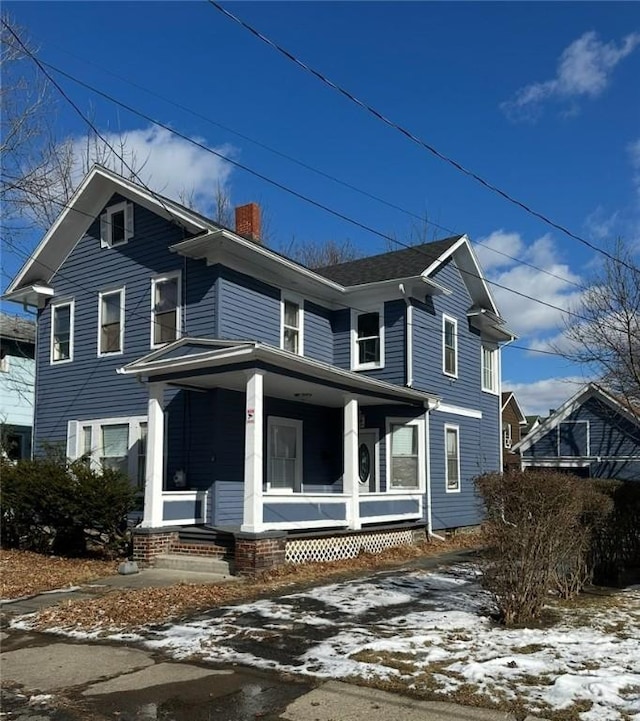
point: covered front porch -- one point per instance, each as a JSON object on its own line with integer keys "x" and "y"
{"x": 292, "y": 445}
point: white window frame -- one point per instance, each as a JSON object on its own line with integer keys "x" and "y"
{"x": 106, "y": 224}
{"x": 121, "y": 290}
{"x": 491, "y": 352}
{"x": 507, "y": 435}
{"x": 422, "y": 455}
{"x": 451, "y": 427}
{"x": 355, "y": 364}
{"x": 53, "y": 309}
{"x": 297, "y": 300}
{"x": 448, "y": 319}
{"x": 154, "y": 281}
{"x": 75, "y": 441}
{"x": 560, "y": 424}
{"x": 290, "y": 423}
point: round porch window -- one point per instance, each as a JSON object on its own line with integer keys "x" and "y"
{"x": 364, "y": 462}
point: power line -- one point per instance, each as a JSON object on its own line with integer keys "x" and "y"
{"x": 295, "y": 193}
{"x": 414, "y": 138}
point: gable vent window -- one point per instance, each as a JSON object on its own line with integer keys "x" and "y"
{"x": 450, "y": 346}
{"x": 489, "y": 369}
{"x": 116, "y": 225}
{"x": 111, "y": 330}
{"x": 165, "y": 314}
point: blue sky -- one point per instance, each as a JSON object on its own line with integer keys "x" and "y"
{"x": 539, "y": 98}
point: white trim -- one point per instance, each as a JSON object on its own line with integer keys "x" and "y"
{"x": 409, "y": 345}
{"x": 422, "y": 471}
{"x": 566, "y": 423}
{"x": 427, "y": 442}
{"x": 155, "y": 461}
{"x": 286, "y": 297}
{"x": 449, "y": 319}
{"x": 294, "y": 525}
{"x": 279, "y": 496}
{"x": 122, "y": 304}
{"x": 451, "y": 427}
{"x": 52, "y": 311}
{"x": 177, "y": 496}
{"x": 350, "y": 445}
{"x": 355, "y": 314}
{"x": 492, "y": 351}
{"x": 253, "y": 453}
{"x": 458, "y": 411}
{"x": 106, "y": 224}
{"x": 288, "y": 423}
{"x": 177, "y": 274}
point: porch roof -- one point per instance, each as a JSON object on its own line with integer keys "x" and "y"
{"x": 203, "y": 363}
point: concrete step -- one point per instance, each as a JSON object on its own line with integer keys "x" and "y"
{"x": 192, "y": 564}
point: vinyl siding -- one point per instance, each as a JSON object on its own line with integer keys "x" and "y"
{"x": 394, "y": 370}
{"x": 341, "y": 328}
{"x": 318, "y": 338}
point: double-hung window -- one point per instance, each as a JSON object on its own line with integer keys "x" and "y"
{"x": 507, "y": 437}
{"x": 489, "y": 369}
{"x": 405, "y": 456}
{"x": 116, "y": 225}
{"x": 284, "y": 453}
{"x": 115, "y": 443}
{"x": 165, "y": 309}
{"x": 62, "y": 331}
{"x": 368, "y": 341}
{"x": 292, "y": 319}
{"x": 111, "y": 322}
{"x": 450, "y": 346}
{"x": 452, "y": 450}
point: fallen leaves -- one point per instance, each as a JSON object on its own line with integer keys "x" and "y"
{"x": 23, "y": 573}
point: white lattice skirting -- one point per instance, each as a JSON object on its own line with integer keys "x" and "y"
{"x": 334, "y": 548}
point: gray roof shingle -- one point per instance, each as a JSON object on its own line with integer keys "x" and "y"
{"x": 17, "y": 328}
{"x": 403, "y": 263}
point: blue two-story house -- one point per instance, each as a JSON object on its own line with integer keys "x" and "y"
{"x": 293, "y": 413}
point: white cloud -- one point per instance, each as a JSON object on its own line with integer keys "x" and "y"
{"x": 524, "y": 313}
{"x": 601, "y": 226}
{"x": 165, "y": 162}
{"x": 541, "y": 396}
{"x": 634, "y": 156}
{"x": 584, "y": 70}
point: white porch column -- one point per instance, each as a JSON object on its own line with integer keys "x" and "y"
{"x": 154, "y": 474}
{"x": 253, "y": 453}
{"x": 350, "y": 478}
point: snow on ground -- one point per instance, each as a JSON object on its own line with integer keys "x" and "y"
{"x": 430, "y": 632}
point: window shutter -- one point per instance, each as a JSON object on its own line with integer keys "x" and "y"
{"x": 72, "y": 439}
{"x": 128, "y": 221}
{"x": 104, "y": 231}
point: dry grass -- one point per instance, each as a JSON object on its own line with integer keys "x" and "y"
{"x": 131, "y": 608}
{"x": 23, "y": 573}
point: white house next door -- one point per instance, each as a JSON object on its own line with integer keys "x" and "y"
{"x": 367, "y": 461}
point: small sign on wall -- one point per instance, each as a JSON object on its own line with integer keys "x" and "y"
{"x": 251, "y": 414}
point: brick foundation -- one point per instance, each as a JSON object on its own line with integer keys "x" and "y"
{"x": 199, "y": 549}
{"x": 256, "y": 553}
{"x": 151, "y": 542}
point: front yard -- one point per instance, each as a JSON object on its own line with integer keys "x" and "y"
{"x": 424, "y": 633}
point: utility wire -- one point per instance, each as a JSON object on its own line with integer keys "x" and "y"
{"x": 313, "y": 169}
{"x": 295, "y": 193}
{"x": 414, "y": 138}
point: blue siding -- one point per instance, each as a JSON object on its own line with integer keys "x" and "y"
{"x": 490, "y": 432}
{"x": 449, "y": 510}
{"x": 394, "y": 370}
{"x": 611, "y": 435}
{"x": 341, "y": 327}
{"x": 427, "y": 343}
{"x": 227, "y": 505}
{"x": 248, "y": 309}
{"x": 369, "y": 509}
{"x": 318, "y": 338}
{"x": 274, "y": 512}
{"x": 178, "y": 510}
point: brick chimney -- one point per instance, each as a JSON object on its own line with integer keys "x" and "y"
{"x": 248, "y": 221}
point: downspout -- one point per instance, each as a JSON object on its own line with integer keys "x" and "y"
{"x": 409, "y": 343}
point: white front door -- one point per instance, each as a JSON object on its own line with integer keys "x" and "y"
{"x": 367, "y": 461}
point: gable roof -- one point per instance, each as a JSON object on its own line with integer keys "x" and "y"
{"x": 590, "y": 390}
{"x": 403, "y": 263}
{"x": 15, "y": 327}
{"x": 509, "y": 396}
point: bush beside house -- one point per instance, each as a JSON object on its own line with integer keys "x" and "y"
{"x": 51, "y": 505}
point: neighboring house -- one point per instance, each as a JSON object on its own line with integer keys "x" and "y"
{"x": 252, "y": 397}
{"x": 513, "y": 420}
{"x": 532, "y": 423}
{"x": 591, "y": 435}
{"x": 17, "y": 382}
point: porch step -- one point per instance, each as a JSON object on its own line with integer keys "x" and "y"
{"x": 196, "y": 564}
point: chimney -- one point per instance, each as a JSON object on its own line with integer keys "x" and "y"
{"x": 248, "y": 221}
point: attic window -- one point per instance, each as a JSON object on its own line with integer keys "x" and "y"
{"x": 116, "y": 225}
